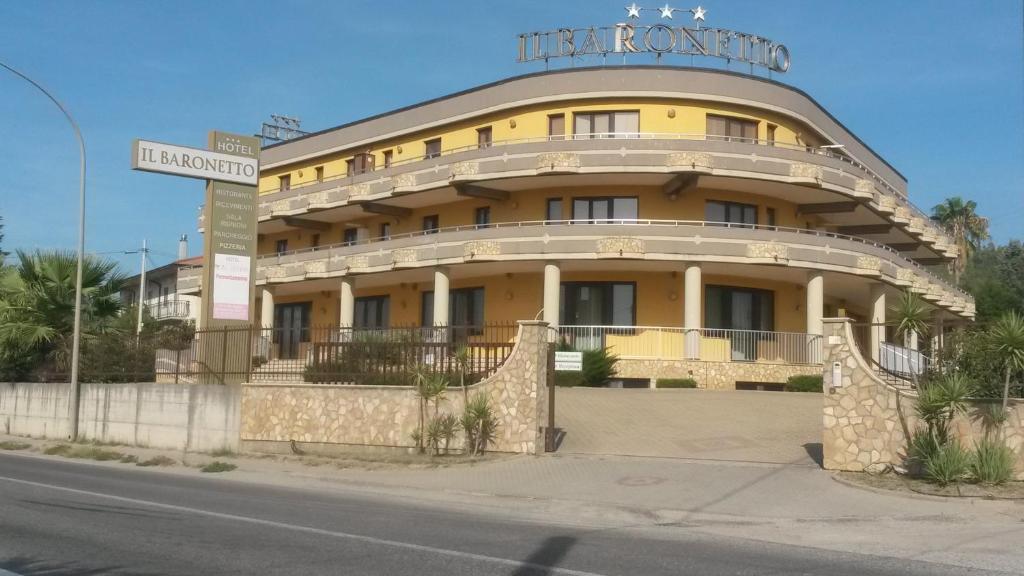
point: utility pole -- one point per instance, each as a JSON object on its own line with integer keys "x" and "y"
{"x": 142, "y": 286}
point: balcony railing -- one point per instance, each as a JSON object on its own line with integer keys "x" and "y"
{"x": 437, "y": 235}
{"x": 706, "y": 344}
{"x": 168, "y": 309}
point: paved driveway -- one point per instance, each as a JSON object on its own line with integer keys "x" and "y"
{"x": 777, "y": 427}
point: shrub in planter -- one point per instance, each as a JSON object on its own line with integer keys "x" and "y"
{"x": 675, "y": 383}
{"x": 804, "y": 383}
{"x": 949, "y": 464}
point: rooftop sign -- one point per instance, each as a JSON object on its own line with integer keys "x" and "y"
{"x": 661, "y": 38}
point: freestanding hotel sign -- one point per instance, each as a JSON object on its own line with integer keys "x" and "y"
{"x": 231, "y": 170}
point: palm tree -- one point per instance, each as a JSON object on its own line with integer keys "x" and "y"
{"x": 1006, "y": 341}
{"x": 37, "y": 303}
{"x": 967, "y": 228}
{"x": 911, "y": 315}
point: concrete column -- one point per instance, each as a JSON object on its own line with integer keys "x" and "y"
{"x": 877, "y": 330}
{"x": 347, "y": 301}
{"x": 691, "y": 310}
{"x": 938, "y": 342}
{"x": 267, "y": 308}
{"x": 815, "y": 302}
{"x": 440, "y": 297}
{"x": 912, "y": 341}
{"x": 552, "y": 291}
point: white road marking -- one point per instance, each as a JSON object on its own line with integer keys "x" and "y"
{"x": 308, "y": 529}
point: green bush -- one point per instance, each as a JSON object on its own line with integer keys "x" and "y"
{"x": 598, "y": 369}
{"x": 922, "y": 447}
{"x": 804, "y": 383}
{"x": 675, "y": 383}
{"x": 992, "y": 462}
{"x": 568, "y": 379}
{"x": 217, "y": 466}
{"x": 949, "y": 464}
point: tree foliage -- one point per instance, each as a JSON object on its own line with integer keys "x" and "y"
{"x": 963, "y": 223}
{"x": 995, "y": 277}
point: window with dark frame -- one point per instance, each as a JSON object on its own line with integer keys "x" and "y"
{"x": 770, "y": 213}
{"x": 728, "y": 128}
{"x": 431, "y": 224}
{"x": 284, "y": 182}
{"x": 482, "y": 216}
{"x": 372, "y": 312}
{"x": 314, "y": 240}
{"x": 385, "y": 230}
{"x": 556, "y": 127}
{"x": 281, "y": 246}
{"x": 771, "y": 134}
{"x": 465, "y": 309}
{"x": 598, "y": 304}
{"x": 319, "y": 173}
{"x": 350, "y": 236}
{"x": 350, "y": 167}
{"x": 597, "y": 210}
{"x": 716, "y": 211}
{"x": 432, "y": 148}
{"x": 732, "y": 308}
{"x": 554, "y": 210}
{"x": 388, "y": 157}
{"x": 483, "y": 137}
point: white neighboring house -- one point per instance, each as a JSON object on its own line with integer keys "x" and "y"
{"x": 163, "y": 300}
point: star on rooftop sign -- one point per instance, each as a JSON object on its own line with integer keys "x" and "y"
{"x": 659, "y": 39}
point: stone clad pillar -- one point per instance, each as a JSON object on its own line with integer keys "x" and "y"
{"x": 441, "y": 297}
{"x": 691, "y": 309}
{"x": 267, "y": 307}
{"x": 347, "y": 301}
{"x": 552, "y": 291}
{"x": 877, "y": 328}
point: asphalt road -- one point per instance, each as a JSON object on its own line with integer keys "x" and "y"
{"x": 60, "y": 517}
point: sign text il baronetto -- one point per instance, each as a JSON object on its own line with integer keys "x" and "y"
{"x": 224, "y": 166}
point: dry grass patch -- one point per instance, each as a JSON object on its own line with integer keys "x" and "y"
{"x": 85, "y": 452}
{"x": 12, "y": 445}
{"x": 158, "y": 461}
{"x": 218, "y": 466}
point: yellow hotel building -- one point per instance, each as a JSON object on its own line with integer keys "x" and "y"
{"x": 697, "y": 222}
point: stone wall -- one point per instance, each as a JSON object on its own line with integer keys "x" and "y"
{"x": 387, "y": 416}
{"x": 179, "y": 417}
{"x": 712, "y": 375}
{"x": 866, "y": 421}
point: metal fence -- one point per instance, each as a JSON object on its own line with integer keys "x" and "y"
{"x": 337, "y": 355}
{"x": 708, "y": 344}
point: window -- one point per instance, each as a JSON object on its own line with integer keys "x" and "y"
{"x": 350, "y": 167}
{"x": 359, "y": 164}
{"x": 599, "y": 210}
{"x": 465, "y": 308}
{"x": 729, "y": 128}
{"x": 388, "y": 157}
{"x": 433, "y": 148}
{"x": 771, "y": 216}
{"x": 598, "y": 304}
{"x": 554, "y": 211}
{"x": 482, "y": 216}
{"x": 431, "y": 224}
{"x": 350, "y": 236}
{"x": 314, "y": 240}
{"x": 483, "y": 137}
{"x": 771, "y": 134}
{"x": 372, "y": 312}
{"x": 729, "y": 308}
{"x": 281, "y": 246}
{"x": 319, "y": 173}
{"x": 606, "y": 125}
{"x": 166, "y": 294}
{"x": 284, "y": 182}
{"x": 556, "y": 127}
{"x": 715, "y": 211}
{"x": 385, "y": 230}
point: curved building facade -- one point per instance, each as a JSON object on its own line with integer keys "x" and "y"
{"x": 699, "y": 223}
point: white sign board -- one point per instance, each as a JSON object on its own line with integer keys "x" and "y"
{"x": 569, "y": 361}
{"x": 231, "y": 287}
{"x": 194, "y": 162}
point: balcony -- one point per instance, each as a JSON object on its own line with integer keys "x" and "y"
{"x": 669, "y": 154}
{"x": 650, "y": 240}
{"x": 168, "y": 309}
{"x": 703, "y": 344}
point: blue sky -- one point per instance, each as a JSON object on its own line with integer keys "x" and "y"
{"x": 934, "y": 87}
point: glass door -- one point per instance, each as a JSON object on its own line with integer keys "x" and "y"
{"x": 291, "y": 328}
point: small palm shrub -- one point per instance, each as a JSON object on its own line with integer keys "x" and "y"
{"x": 949, "y": 464}
{"x": 479, "y": 423}
{"x": 675, "y": 383}
{"x": 992, "y": 462}
{"x": 804, "y": 383}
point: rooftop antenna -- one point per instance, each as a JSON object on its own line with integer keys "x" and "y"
{"x": 281, "y": 128}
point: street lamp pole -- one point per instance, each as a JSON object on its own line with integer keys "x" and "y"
{"x": 77, "y": 333}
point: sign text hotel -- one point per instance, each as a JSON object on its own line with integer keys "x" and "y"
{"x": 658, "y": 39}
